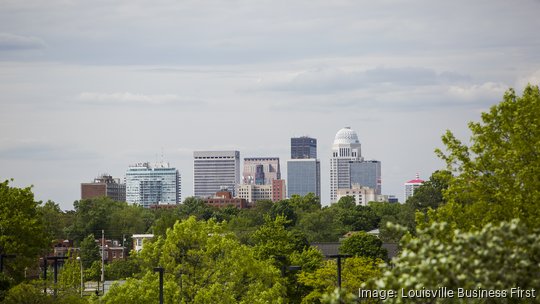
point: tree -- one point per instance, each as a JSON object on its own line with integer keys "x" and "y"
{"x": 497, "y": 257}
{"x": 203, "y": 264}
{"x": 21, "y": 229}
{"x": 430, "y": 193}
{"x": 497, "y": 177}
{"x": 364, "y": 244}
{"x": 355, "y": 272}
{"x": 89, "y": 251}
{"x": 54, "y": 220}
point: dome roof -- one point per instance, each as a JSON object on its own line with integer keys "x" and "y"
{"x": 346, "y": 136}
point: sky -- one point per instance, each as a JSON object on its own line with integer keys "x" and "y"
{"x": 90, "y": 87}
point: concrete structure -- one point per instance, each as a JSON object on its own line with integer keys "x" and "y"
{"x": 214, "y": 171}
{"x": 224, "y": 199}
{"x": 139, "y": 239}
{"x": 346, "y": 148}
{"x": 303, "y": 147}
{"x": 279, "y": 190}
{"x": 253, "y": 193}
{"x": 261, "y": 170}
{"x": 366, "y": 173}
{"x": 104, "y": 186}
{"x": 148, "y": 184}
{"x": 362, "y": 195}
{"x": 411, "y": 185}
{"x": 303, "y": 177}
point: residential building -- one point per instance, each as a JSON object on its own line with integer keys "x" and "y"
{"x": 261, "y": 170}
{"x": 366, "y": 173}
{"x": 303, "y": 177}
{"x": 412, "y": 185}
{"x": 279, "y": 190}
{"x": 224, "y": 199}
{"x": 139, "y": 239}
{"x": 104, "y": 186}
{"x": 215, "y": 170}
{"x": 148, "y": 184}
{"x": 303, "y": 147}
{"x": 113, "y": 250}
{"x": 345, "y": 149}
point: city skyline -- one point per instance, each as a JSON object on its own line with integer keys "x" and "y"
{"x": 93, "y": 87}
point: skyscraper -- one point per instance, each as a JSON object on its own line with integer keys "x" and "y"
{"x": 304, "y": 176}
{"x": 412, "y": 185}
{"x": 366, "y": 173}
{"x": 148, "y": 184}
{"x": 346, "y": 149}
{"x": 214, "y": 171}
{"x": 303, "y": 147}
{"x": 261, "y": 170}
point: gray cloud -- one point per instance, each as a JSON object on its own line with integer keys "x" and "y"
{"x": 128, "y": 98}
{"x": 41, "y": 151}
{"x": 331, "y": 80}
{"x": 10, "y": 42}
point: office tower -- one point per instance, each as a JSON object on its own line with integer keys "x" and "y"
{"x": 151, "y": 184}
{"x": 303, "y": 177}
{"x": 104, "y": 185}
{"x": 303, "y": 147}
{"x": 214, "y": 171}
{"x": 261, "y": 170}
{"x": 366, "y": 173}
{"x": 411, "y": 185}
{"x": 345, "y": 149}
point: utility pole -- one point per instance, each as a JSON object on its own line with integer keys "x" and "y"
{"x": 56, "y": 259}
{"x": 103, "y": 259}
{"x": 339, "y": 256}
{"x": 160, "y": 270}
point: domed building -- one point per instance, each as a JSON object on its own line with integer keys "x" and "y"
{"x": 348, "y": 168}
{"x": 346, "y": 148}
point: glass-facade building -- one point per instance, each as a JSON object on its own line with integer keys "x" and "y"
{"x": 303, "y": 177}
{"x": 303, "y": 147}
{"x": 153, "y": 184}
{"x": 214, "y": 171}
{"x": 366, "y": 173}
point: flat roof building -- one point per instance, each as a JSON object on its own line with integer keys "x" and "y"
{"x": 214, "y": 171}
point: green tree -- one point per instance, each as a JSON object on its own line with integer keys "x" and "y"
{"x": 497, "y": 257}
{"x": 89, "y": 251}
{"x": 203, "y": 264}
{"x": 497, "y": 177}
{"x": 430, "y": 193}
{"x": 355, "y": 272}
{"x": 21, "y": 229}
{"x": 364, "y": 244}
{"x": 54, "y": 220}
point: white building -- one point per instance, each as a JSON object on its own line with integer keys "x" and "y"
{"x": 215, "y": 170}
{"x": 253, "y": 193}
{"x": 412, "y": 185}
{"x": 362, "y": 195}
{"x": 346, "y": 148}
{"x": 139, "y": 239}
{"x": 148, "y": 184}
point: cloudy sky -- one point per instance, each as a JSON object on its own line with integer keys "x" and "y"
{"x": 88, "y": 87}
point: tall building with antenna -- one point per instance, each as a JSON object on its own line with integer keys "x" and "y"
{"x": 412, "y": 185}
{"x": 153, "y": 184}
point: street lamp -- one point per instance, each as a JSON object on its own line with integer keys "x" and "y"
{"x": 82, "y": 278}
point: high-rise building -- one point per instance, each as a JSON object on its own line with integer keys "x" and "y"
{"x": 412, "y": 185}
{"x": 346, "y": 148}
{"x": 303, "y": 177}
{"x": 153, "y": 184}
{"x": 367, "y": 174}
{"x": 214, "y": 171}
{"x": 303, "y": 147}
{"x": 362, "y": 195}
{"x": 261, "y": 170}
{"x": 104, "y": 185}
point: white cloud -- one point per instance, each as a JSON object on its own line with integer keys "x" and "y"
{"x": 126, "y": 98}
